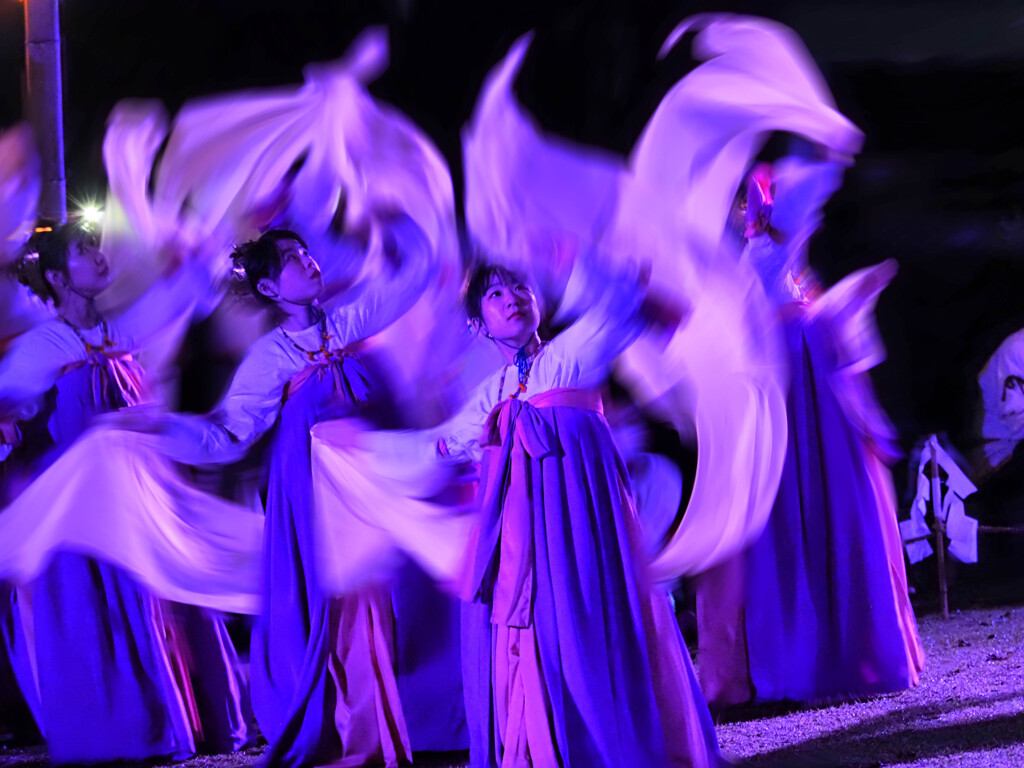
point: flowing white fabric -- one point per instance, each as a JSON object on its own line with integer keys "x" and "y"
{"x": 20, "y": 184}
{"x": 377, "y": 501}
{"x": 134, "y": 239}
{"x": 113, "y": 497}
{"x": 1002, "y": 392}
{"x": 756, "y": 77}
{"x": 565, "y": 189}
{"x": 722, "y": 373}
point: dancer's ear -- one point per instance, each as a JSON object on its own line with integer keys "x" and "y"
{"x": 268, "y": 288}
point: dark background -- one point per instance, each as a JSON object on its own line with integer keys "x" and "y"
{"x": 936, "y": 86}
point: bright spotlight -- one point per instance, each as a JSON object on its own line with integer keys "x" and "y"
{"x": 90, "y": 216}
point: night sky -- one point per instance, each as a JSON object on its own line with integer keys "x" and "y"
{"x": 935, "y": 85}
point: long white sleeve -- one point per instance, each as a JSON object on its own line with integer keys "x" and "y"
{"x": 248, "y": 410}
{"x": 33, "y": 364}
{"x": 373, "y": 305}
{"x": 606, "y": 300}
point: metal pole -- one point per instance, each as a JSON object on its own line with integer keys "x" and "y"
{"x": 940, "y": 531}
{"x": 45, "y": 102}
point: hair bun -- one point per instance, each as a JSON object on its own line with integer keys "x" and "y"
{"x": 30, "y": 274}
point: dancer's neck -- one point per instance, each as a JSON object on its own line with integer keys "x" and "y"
{"x": 299, "y": 317}
{"x": 509, "y": 347}
{"x": 79, "y": 311}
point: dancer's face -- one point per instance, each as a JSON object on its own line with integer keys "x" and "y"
{"x": 1012, "y": 404}
{"x": 510, "y": 312}
{"x": 300, "y": 281}
{"x": 88, "y": 270}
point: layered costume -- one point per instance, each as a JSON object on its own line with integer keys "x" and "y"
{"x": 818, "y": 607}
{"x": 323, "y": 682}
{"x": 110, "y": 671}
{"x": 569, "y": 656}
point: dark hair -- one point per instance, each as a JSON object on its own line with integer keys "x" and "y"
{"x": 261, "y": 258}
{"x": 480, "y": 280}
{"x": 46, "y": 251}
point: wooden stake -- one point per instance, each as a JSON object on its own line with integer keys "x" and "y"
{"x": 940, "y": 530}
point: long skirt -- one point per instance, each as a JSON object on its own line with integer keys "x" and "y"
{"x": 428, "y": 662}
{"x": 571, "y": 659}
{"x": 817, "y": 608}
{"x": 323, "y": 680}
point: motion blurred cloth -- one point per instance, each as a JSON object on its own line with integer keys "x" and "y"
{"x": 114, "y": 498}
{"x": 817, "y": 608}
{"x": 722, "y": 374}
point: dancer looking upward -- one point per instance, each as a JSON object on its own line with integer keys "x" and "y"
{"x": 103, "y": 664}
{"x": 323, "y": 684}
{"x": 570, "y": 657}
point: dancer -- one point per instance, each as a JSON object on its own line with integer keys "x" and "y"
{"x": 107, "y": 672}
{"x": 570, "y": 658}
{"x": 323, "y": 685}
{"x": 818, "y": 607}
{"x": 1001, "y": 426}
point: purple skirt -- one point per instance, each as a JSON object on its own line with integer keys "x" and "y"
{"x": 810, "y": 611}
{"x": 570, "y": 658}
{"x": 108, "y": 686}
{"x": 323, "y": 686}
{"x": 428, "y": 662}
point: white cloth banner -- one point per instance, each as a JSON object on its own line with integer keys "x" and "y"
{"x": 961, "y": 529}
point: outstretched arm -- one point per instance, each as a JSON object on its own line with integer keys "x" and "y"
{"x": 612, "y": 304}
{"x": 223, "y": 436}
{"x": 373, "y": 305}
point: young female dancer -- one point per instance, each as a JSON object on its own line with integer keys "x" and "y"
{"x": 323, "y": 686}
{"x": 105, "y": 668}
{"x": 570, "y": 658}
{"x": 818, "y": 607}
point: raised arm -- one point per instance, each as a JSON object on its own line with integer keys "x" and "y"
{"x": 373, "y": 305}
{"x": 188, "y": 289}
{"x": 611, "y": 305}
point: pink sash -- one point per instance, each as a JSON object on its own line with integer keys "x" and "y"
{"x": 113, "y": 367}
{"x": 335, "y": 364}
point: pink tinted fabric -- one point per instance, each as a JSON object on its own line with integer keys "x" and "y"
{"x": 183, "y": 544}
{"x": 669, "y": 205}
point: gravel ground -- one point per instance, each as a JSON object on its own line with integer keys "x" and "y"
{"x": 967, "y": 712}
